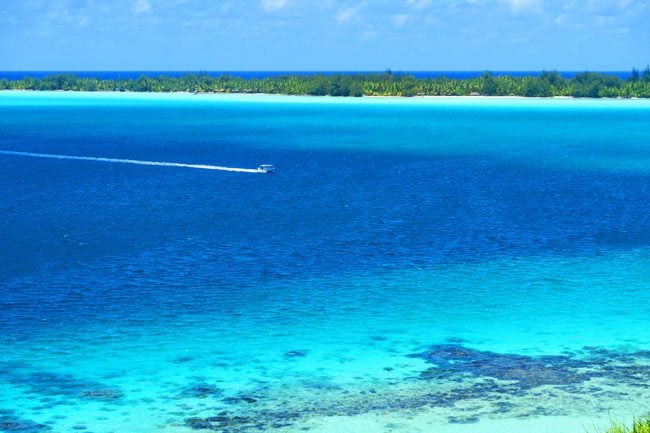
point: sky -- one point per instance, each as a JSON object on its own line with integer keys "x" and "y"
{"x": 321, "y": 35}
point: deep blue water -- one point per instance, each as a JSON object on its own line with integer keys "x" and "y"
{"x": 15, "y": 75}
{"x": 516, "y": 228}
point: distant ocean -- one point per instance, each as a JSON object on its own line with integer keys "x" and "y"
{"x": 447, "y": 265}
{"x": 14, "y": 75}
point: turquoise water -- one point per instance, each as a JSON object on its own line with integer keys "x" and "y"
{"x": 431, "y": 264}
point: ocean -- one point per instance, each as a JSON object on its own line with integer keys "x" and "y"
{"x": 413, "y": 265}
{"x": 111, "y": 75}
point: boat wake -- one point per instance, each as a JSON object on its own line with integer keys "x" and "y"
{"x": 132, "y": 161}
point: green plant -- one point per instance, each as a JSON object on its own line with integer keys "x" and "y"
{"x": 639, "y": 425}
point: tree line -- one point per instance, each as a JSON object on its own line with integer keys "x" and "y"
{"x": 548, "y": 83}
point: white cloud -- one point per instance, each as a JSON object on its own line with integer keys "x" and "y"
{"x": 400, "y": 19}
{"x": 609, "y": 7}
{"x": 611, "y": 14}
{"x": 370, "y": 34}
{"x": 273, "y": 5}
{"x": 346, "y": 15}
{"x": 602, "y": 21}
{"x": 226, "y": 7}
{"x": 141, "y": 6}
{"x": 518, "y": 5}
{"x": 562, "y": 18}
{"x": 418, "y": 4}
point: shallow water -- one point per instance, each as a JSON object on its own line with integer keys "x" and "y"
{"x": 443, "y": 264}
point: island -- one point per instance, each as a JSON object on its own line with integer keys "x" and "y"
{"x": 545, "y": 84}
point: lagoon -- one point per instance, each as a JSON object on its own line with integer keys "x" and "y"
{"x": 426, "y": 264}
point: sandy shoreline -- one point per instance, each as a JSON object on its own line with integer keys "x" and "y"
{"x": 487, "y": 97}
{"x": 55, "y": 97}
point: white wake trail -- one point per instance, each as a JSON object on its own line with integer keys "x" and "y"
{"x": 130, "y": 161}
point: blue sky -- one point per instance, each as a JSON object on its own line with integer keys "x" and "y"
{"x": 324, "y": 35}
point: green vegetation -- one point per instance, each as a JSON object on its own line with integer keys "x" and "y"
{"x": 586, "y": 84}
{"x": 640, "y": 425}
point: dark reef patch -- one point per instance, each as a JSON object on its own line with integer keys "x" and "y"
{"x": 240, "y": 399}
{"x": 237, "y": 423}
{"x": 296, "y": 354}
{"x": 53, "y": 389}
{"x": 527, "y": 372}
{"x": 463, "y": 420}
{"x": 201, "y": 390}
{"x": 13, "y": 424}
{"x": 500, "y": 385}
{"x": 250, "y": 418}
{"x": 258, "y": 417}
{"x": 105, "y": 394}
{"x": 56, "y": 384}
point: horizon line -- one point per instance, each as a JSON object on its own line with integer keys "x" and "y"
{"x": 316, "y": 70}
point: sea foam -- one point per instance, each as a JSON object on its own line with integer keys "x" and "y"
{"x": 130, "y": 161}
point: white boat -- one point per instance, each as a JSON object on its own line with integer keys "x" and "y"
{"x": 266, "y": 168}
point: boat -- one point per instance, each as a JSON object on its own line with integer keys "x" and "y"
{"x": 266, "y": 168}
